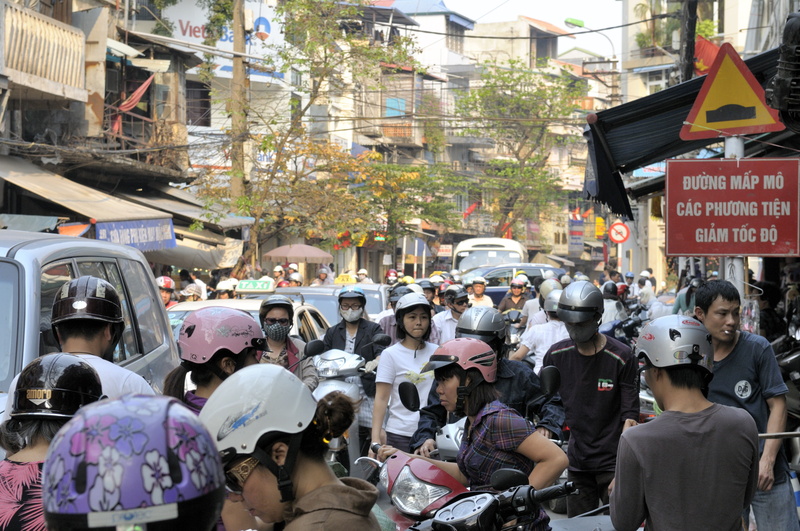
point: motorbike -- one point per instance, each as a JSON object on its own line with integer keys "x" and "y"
{"x": 335, "y": 369}
{"x": 514, "y": 332}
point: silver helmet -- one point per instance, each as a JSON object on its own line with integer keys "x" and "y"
{"x": 675, "y": 340}
{"x": 547, "y": 286}
{"x": 551, "y": 302}
{"x": 480, "y": 322}
{"x": 580, "y": 302}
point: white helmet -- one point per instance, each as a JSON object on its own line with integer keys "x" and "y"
{"x": 547, "y": 286}
{"x": 565, "y": 280}
{"x": 416, "y": 288}
{"x": 548, "y": 274}
{"x": 277, "y": 268}
{"x": 256, "y": 402}
{"x": 675, "y": 340}
{"x": 362, "y": 272}
{"x": 412, "y": 299}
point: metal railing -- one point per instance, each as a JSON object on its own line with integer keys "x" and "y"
{"x": 42, "y": 53}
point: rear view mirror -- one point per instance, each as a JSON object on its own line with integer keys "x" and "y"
{"x": 409, "y": 396}
{"x": 507, "y": 478}
{"x": 381, "y": 340}
{"x": 551, "y": 380}
{"x": 314, "y": 347}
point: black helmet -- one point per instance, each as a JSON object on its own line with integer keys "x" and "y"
{"x": 275, "y": 301}
{"x": 455, "y": 292}
{"x": 397, "y": 293}
{"x": 486, "y": 324}
{"x": 426, "y": 284}
{"x": 353, "y": 292}
{"x": 610, "y": 290}
{"x": 87, "y": 298}
{"x": 55, "y": 386}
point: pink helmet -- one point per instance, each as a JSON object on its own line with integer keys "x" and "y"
{"x": 468, "y": 353}
{"x": 165, "y": 283}
{"x": 209, "y": 330}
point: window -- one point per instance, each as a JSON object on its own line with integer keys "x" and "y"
{"x": 395, "y": 107}
{"x": 144, "y": 304}
{"x": 198, "y": 104}
{"x": 10, "y": 315}
{"x": 455, "y": 37}
{"x": 53, "y": 277}
{"x": 499, "y": 277}
{"x": 656, "y": 81}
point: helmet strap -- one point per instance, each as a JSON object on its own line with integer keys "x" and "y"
{"x": 283, "y": 472}
{"x": 464, "y": 390}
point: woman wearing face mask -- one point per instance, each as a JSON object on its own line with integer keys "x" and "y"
{"x": 354, "y": 334}
{"x": 402, "y": 362}
{"x": 276, "y": 314}
{"x": 214, "y": 343}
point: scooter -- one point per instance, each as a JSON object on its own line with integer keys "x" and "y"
{"x": 513, "y": 330}
{"x": 334, "y": 368}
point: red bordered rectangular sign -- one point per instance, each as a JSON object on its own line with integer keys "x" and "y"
{"x": 725, "y": 207}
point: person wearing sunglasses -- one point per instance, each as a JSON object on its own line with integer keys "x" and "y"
{"x": 456, "y": 299}
{"x": 282, "y": 432}
{"x": 399, "y": 363}
{"x": 516, "y": 297}
{"x": 276, "y": 315}
{"x": 214, "y": 343}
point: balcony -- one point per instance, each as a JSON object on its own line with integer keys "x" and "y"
{"x": 406, "y": 133}
{"x": 41, "y": 55}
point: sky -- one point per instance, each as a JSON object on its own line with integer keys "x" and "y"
{"x": 596, "y": 14}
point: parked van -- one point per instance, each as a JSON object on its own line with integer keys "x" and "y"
{"x": 33, "y": 266}
{"x": 476, "y": 252}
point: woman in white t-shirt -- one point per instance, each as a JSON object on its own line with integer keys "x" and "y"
{"x": 403, "y": 362}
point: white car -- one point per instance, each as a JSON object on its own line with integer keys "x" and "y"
{"x": 309, "y": 323}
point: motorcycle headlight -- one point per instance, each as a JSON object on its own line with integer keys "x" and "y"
{"x": 412, "y": 495}
{"x": 328, "y": 368}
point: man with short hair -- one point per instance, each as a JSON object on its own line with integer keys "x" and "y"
{"x": 479, "y": 297}
{"x": 457, "y": 301}
{"x": 711, "y": 447}
{"x": 747, "y": 376}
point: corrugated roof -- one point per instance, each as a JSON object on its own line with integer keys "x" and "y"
{"x": 547, "y": 27}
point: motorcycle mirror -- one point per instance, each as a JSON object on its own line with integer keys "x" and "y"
{"x": 507, "y": 478}
{"x": 512, "y": 316}
{"x": 551, "y": 380}
{"x": 315, "y": 347}
{"x": 409, "y": 396}
{"x": 381, "y": 340}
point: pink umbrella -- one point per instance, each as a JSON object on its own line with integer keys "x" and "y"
{"x": 299, "y": 252}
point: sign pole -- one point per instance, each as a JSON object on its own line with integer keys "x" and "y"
{"x": 734, "y": 270}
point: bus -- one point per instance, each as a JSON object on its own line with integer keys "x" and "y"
{"x": 476, "y": 252}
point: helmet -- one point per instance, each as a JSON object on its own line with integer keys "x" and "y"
{"x": 524, "y": 279}
{"x": 551, "y": 301}
{"x": 548, "y": 274}
{"x": 580, "y": 301}
{"x": 165, "y": 283}
{"x": 275, "y": 301}
{"x": 581, "y": 276}
{"x": 87, "y": 298}
{"x": 478, "y": 280}
{"x": 277, "y": 268}
{"x": 645, "y": 274}
{"x": 323, "y": 271}
{"x": 226, "y": 285}
{"x": 443, "y": 287}
{"x": 138, "y": 460}
{"x": 437, "y": 279}
{"x": 283, "y": 284}
{"x": 675, "y": 340}
{"x": 362, "y": 271}
{"x": 629, "y": 274}
{"x": 296, "y": 277}
{"x": 277, "y": 403}
{"x": 292, "y": 266}
{"x": 621, "y": 288}
{"x": 468, "y": 353}
{"x": 208, "y": 330}
{"x": 547, "y": 286}
{"x": 407, "y": 280}
{"x": 695, "y": 283}
{"x": 391, "y": 277}
{"x": 409, "y": 301}
{"x": 192, "y": 289}
{"x": 609, "y": 289}
{"x": 517, "y": 282}
{"x": 415, "y": 288}
{"x": 352, "y": 292}
{"x": 425, "y": 284}
{"x": 565, "y": 280}
{"x": 55, "y": 386}
{"x": 454, "y": 292}
{"x": 486, "y": 324}
{"x": 398, "y": 292}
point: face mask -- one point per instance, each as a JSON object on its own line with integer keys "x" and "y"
{"x": 581, "y": 332}
{"x": 351, "y": 316}
{"x": 277, "y": 331}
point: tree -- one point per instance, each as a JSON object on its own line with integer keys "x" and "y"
{"x": 401, "y": 193}
{"x": 301, "y": 181}
{"x": 525, "y": 113}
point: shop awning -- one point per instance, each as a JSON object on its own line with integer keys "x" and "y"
{"x": 115, "y": 219}
{"x": 200, "y": 249}
{"x": 630, "y": 136}
{"x": 561, "y": 260}
{"x": 187, "y": 211}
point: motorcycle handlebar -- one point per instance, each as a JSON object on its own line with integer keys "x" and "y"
{"x": 524, "y": 500}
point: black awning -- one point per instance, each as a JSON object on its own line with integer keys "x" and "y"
{"x": 635, "y": 134}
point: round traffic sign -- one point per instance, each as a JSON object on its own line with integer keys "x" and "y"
{"x": 619, "y": 232}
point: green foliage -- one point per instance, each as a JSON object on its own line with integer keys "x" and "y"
{"x": 706, "y": 28}
{"x": 164, "y": 26}
{"x": 430, "y": 112}
{"x": 518, "y": 109}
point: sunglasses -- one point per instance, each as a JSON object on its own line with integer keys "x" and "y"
{"x": 350, "y": 306}
{"x": 516, "y": 287}
{"x": 236, "y": 476}
{"x": 271, "y": 321}
{"x": 461, "y": 302}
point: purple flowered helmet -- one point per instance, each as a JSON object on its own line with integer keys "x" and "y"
{"x": 134, "y": 461}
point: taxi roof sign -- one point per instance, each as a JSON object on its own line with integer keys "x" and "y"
{"x": 345, "y": 278}
{"x": 730, "y": 102}
{"x": 256, "y": 286}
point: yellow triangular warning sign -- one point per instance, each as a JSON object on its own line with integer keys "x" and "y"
{"x": 730, "y": 102}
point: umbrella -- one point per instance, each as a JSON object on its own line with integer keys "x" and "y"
{"x": 299, "y": 253}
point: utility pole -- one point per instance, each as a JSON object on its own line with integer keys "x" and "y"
{"x": 688, "y": 28}
{"x": 238, "y": 104}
